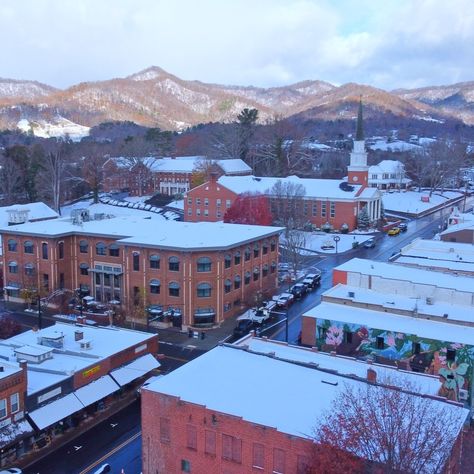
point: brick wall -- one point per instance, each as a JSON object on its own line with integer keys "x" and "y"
{"x": 15, "y": 383}
{"x": 177, "y": 434}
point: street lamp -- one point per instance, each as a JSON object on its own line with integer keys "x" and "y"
{"x": 336, "y": 239}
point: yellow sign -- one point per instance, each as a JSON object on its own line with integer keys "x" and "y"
{"x": 91, "y": 371}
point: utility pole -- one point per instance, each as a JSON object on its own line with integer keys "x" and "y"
{"x": 40, "y": 316}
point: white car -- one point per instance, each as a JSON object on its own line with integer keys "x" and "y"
{"x": 284, "y": 299}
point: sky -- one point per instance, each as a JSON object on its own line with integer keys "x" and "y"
{"x": 383, "y": 43}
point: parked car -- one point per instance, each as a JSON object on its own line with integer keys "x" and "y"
{"x": 309, "y": 283}
{"x": 256, "y": 315}
{"x": 283, "y": 267}
{"x": 244, "y": 326}
{"x": 369, "y": 244}
{"x": 403, "y": 226}
{"x": 394, "y": 231}
{"x": 11, "y": 470}
{"x": 316, "y": 277}
{"x": 298, "y": 290}
{"x": 284, "y": 300}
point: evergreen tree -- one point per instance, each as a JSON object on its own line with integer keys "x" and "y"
{"x": 363, "y": 219}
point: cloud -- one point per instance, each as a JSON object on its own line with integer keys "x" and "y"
{"x": 400, "y": 43}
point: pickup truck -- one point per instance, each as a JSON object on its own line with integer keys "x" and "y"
{"x": 256, "y": 315}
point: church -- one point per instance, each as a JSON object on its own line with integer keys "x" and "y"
{"x": 325, "y": 202}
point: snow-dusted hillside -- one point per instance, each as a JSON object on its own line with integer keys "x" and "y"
{"x": 60, "y": 128}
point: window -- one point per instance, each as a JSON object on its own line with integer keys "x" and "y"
{"x": 198, "y": 212}
{"x": 12, "y": 245}
{"x": 348, "y": 337}
{"x": 206, "y": 202}
{"x": 247, "y": 278}
{"x": 227, "y": 203}
{"x": 247, "y": 254}
{"x": 384, "y": 175}
{"x": 198, "y": 201}
{"x": 256, "y": 273}
{"x": 204, "y": 290}
{"x": 374, "y": 176}
{"x": 227, "y": 286}
{"x": 136, "y": 261}
{"x": 185, "y": 465}
{"x": 13, "y": 267}
{"x": 416, "y": 348}
{"x": 174, "y": 289}
{"x": 237, "y": 282}
{"x": 218, "y": 214}
{"x": 265, "y": 270}
{"x": 29, "y": 269}
{"x": 315, "y": 209}
{"x": 46, "y": 281}
{"x": 173, "y": 264}
{"x": 237, "y": 258}
{"x": 114, "y": 250}
{"x": 227, "y": 261}
{"x": 231, "y": 448}
{"x": 190, "y": 201}
{"x": 44, "y": 251}
{"x": 258, "y": 455}
{"x": 256, "y": 250}
{"x": 273, "y": 267}
{"x": 302, "y": 464}
{"x": 323, "y": 209}
{"x": 279, "y": 461}
{"x": 333, "y": 209}
{"x": 305, "y": 208}
{"x": 61, "y": 250}
{"x": 28, "y": 246}
{"x": 265, "y": 248}
{"x": 155, "y": 262}
{"x": 190, "y": 211}
{"x": 84, "y": 269}
{"x": 206, "y": 212}
{"x": 14, "y": 403}
{"x": 165, "y": 430}
{"x": 227, "y": 307}
{"x": 272, "y": 245}
{"x": 3, "y": 408}
{"x": 380, "y": 342}
{"x": 155, "y": 287}
{"x": 218, "y": 202}
{"x": 450, "y": 355}
{"x": 83, "y": 246}
{"x": 204, "y": 264}
{"x": 191, "y": 437}
{"x": 210, "y": 442}
{"x": 100, "y": 248}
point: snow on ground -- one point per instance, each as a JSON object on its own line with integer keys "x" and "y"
{"x": 410, "y": 201}
{"x": 315, "y": 240}
{"x": 61, "y": 127}
{"x": 108, "y": 209}
{"x": 137, "y": 198}
{"x": 177, "y": 204}
{"x": 396, "y": 145}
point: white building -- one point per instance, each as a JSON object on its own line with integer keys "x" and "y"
{"x": 388, "y": 174}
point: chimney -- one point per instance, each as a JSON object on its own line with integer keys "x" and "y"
{"x": 371, "y": 375}
{"x": 78, "y": 335}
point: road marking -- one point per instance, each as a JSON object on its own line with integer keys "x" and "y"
{"x": 110, "y": 453}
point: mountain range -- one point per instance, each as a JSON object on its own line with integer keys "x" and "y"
{"x": 156, "y": 98}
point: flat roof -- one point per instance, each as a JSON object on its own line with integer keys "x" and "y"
{"x": 439, "y": 250}
{"x": 466, "y": 267}
{"x": 423, "y": 383}
{"x": 157, "y": 233}
{"x": 455, "y": 312}
{"x": 421, "y": 327}
{"x": 261, "y": 389}
{"x": 392, "y": 271}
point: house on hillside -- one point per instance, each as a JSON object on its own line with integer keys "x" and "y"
{"x": 388, "y": 174}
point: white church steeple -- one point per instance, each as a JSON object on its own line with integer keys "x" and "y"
{"x": 358, "y": 171}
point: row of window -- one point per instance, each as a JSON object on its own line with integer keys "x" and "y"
{"x": 205, "y": 202}
{"x": 28, "y": 248}
{"x": 231, "y": 450}
{"x": 14, "y": 405}
{"x": 306, "y": 208}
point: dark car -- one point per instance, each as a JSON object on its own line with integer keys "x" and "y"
{"x": 403, "y": 227}
{"x": 298, "y": 290}
{"x": 316, "y": 277}
{"x": 369, "y": 244}
{"x": 244, "y": 326}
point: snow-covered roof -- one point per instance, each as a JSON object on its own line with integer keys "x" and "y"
{"x": 387, "y": 166}
{"x": 457, "y": 227}
{"x": 398, "y": 302}
{"x": 37, "y": 210}
{"x": 439, "y": 250}
{"x": 135, "y": 369}
{"x": 392, "y": 271}
{"x": 424, "y": 383}
{"x": 9, "y": 368}
{"x": 105, "y": 342}
{"x": 96, "y": 390}
{"x": 234, "y": 166}
{"x": 315, "y": 188}
{"x": 463, "y": 267}
{"x": 234, "y": 381}
{"x": 384, "y": 320}
{"x": 180, "y": 164}
{"x": 157, "y": 233}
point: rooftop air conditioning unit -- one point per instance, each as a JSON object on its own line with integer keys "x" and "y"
{"x": 351, "y": 294}
{"x": 445, "y": 315}
{"x": 463, "y": 394}
{"x": 429, "y": 300}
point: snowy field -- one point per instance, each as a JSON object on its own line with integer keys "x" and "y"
{"x": 410, "y": 201}
{"x": 316, "y": 240}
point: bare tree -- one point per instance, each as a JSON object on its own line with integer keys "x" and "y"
{"x": 10, "y": 179}
{"x": 287, "y": 204}
{"x": 394, "y": 427}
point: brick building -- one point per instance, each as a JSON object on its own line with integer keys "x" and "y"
{"x": 252, "y": 408}
{"x": 59, "y": 376}
{"x": 325, "y": 201}
{"x": 207, "y": 271}
{"x": 171, "y": 176}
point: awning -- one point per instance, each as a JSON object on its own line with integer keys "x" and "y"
{"x": 96, "y": 390}
{"x": 134, "y": 370}
{"x": 55, "y": 411}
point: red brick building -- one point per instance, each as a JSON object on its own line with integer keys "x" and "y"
{"x": 207, "y": 271}
{"x": 241, "y": 410}
{"x": 171, "y": 176}
{"x": 325, "y": 201}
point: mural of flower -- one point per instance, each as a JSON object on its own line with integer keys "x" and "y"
{"x": 453, "y": 380}
{"x": 391, "y": 340}
{"x": 334, "y": 336}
